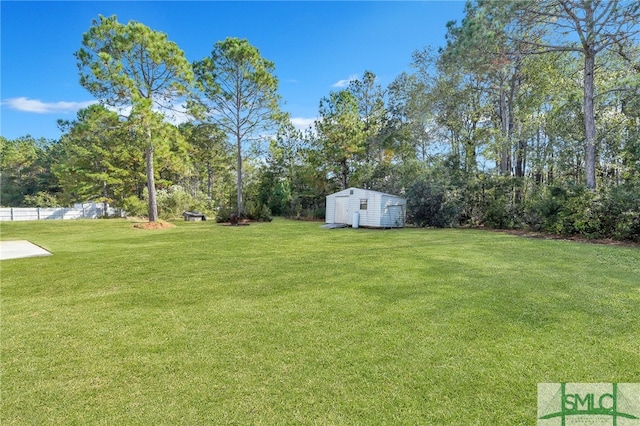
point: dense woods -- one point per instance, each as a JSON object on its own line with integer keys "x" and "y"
{"x": 528, "y": 118}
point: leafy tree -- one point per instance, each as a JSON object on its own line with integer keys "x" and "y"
{"x": 210, "y": 155}
{"x": 240, "y": 95}
{"x": 433, "y": 199}
{"x": 99, "y": 161}
{"x": 398, "y": 126}
{"x": 171, "y": 153}
{"x": 626, "y": 105}
{"x": 341, "y": 135}
{"x": 41, "y": 199}
{"x": 481, "y": 46}
{"x": 283, "y": 182}
{"x": 25, "y": 165}
{"x": 411, "y": 125}
{"x": 370, "y": 99}
{"x": 461, "y": 105}
{"x": 585, "y": 27}
{"x": 132, "y": 65}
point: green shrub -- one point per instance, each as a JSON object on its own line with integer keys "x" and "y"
{"x": 175, "y": 200}
{"x": 255, "y": 210}
{"x": 620, "y": 213}
{"x": 500, "y": 204}
{"x": 223, "y": 214}
{"x": 41, "y": 199}
{"x": 570, "y": 209}
{"x": 134, "y": 206}
{"x": 628, "y": 226}
{"x": 573, "y": 216}
{"x": 280, "y": 198}
{"x": 496, "y": 216}
{"x": 542, "y": 210}
{"x": 430, "y": 204}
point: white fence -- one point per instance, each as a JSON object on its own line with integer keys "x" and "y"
{"x": 78, "y": 211}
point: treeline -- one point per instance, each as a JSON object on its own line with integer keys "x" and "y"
{"x": 528, "y": 118}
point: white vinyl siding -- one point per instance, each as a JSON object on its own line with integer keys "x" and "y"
{"x": 383, "y": 210}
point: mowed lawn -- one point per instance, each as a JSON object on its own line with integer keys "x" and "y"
{"x": 288, "y": 323}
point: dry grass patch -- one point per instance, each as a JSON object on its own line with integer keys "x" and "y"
{"x": 160, "y": 224}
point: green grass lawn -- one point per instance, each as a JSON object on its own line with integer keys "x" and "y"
{"x": 288, "y": 323}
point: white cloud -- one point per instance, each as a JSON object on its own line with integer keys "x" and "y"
{"x": 176, "y": 115}
{"x": 302, "y": 123}
{"x": 345, "y": 83}
{"x": 122, "y": 111}
{"x": 37, "y": 106}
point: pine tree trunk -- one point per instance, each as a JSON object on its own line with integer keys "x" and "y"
{"x": 239, "y": 177}
{"x": 344, "y": 175}
{"x": 151, "y": 183}
{"x": 521, "y": 158}
{"x": 589, "y": 120}
{"x": 505, "y": 155}
{"x": 209, "y": 180}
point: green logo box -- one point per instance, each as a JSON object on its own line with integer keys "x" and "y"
{"x": 577, "y": 404}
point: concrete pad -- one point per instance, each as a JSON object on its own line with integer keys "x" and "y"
{"x": 334, "y": 225}
{"x": 20, "y": 249}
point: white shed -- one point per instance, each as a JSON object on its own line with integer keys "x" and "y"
{"x": 375, "y": 209}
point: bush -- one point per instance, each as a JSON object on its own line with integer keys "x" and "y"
{"x": 565, "y": 209}
{"x": 542, "y": 210}
{"x": 620, "y": 213}
{"x": 174, "y": 201}
{"x": 41, "y": 199}
{"x": 255, "y": 210}
{"x": 570, "y": 209}
{"x": 430, "y": 204}
{"x": 628, "y": 226}
{"x": 500, "y": 205}
{"x": 280, "y": 198}
{"x": 223, "y": 214}
{"x": 134, "y": 206}
{"x": 496, "y": 215}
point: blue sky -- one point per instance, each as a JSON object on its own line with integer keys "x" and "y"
{"x": 316, "y": 47}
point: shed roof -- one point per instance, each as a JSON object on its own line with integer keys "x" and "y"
{"x": 348, "y": 192}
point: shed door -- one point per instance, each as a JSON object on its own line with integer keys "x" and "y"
{"x": 342, "y": 210}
